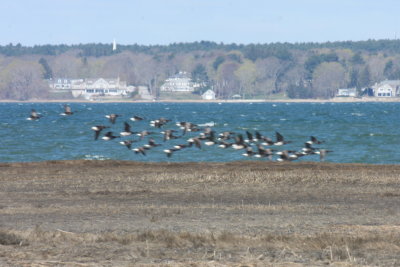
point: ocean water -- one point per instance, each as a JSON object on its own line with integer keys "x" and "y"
{"x": 355, "y": 132}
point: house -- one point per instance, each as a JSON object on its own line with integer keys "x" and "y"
{"x": 94, "y": 88}
{"x": 208, "y": 95}
{"x": 180, "y": 82}
{"x": 60, "y": 83}
{"x": 387, "y": 88}
{"x": 347, "y": 92}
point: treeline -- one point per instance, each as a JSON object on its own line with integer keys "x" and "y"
{"x": 295, "y": 70}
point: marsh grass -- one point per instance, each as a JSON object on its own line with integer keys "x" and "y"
{"x": 89, "y": 213}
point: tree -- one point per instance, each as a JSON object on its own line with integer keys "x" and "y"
{"x": 22, "y": 81}
{"x": 247, "y": 74}
{"x": 364, "y": 78}
{"x": 327, "y": 78}
{"x": 48, "y": 73}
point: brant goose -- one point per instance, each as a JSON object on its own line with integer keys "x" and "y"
{"x": 109, "y": 136}
{"x": 159, "y": 123}
{"x": 322, "y": 153}
{"x": 127, "y": 130}
{"x": 141, "y": 150}
{"x": 67, "y": 111}
{"x": 196, "y": 141}
{"x": 136, "y": 118}
{"x": 97, "y": 129}
{"x": 151, "y": 144}
{"x": 112, "y": 117}
{"x": 280, "y": 140}
{"x": 34, "y": 115}
{"x": 314, "y": 140}
{"x": 168, "y": 134}
{"x": 127, "y": 143}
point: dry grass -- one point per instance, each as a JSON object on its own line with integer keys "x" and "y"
{"x": 113, "y": 213}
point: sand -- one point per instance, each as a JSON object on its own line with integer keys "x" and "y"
{"x": 121, "y": 213}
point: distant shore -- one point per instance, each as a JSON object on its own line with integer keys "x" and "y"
{"x": 331, "y": 100}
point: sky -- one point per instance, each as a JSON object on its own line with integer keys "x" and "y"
{"x": 162, "y": 22}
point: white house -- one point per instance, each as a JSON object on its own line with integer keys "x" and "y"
{"x": 208, "y": 95}
{"x": 94, "y": 88}
{"x": 180, "y": 82}
{"x": 388, "y": 88}
{"x": 347, "y": 92}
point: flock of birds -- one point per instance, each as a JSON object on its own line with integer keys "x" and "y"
{"x": 251, "y": 144}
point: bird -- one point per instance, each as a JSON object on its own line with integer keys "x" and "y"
{"x": 136, "y": 118}
{"x": 168, "y": 134}
{"x": 322, "y": 153}
{"x": 239, "y": 142}
{"x": 127, "y": 130}
{"x": 314, "y": 140}
{"x": 194, "y": 141}
{"x": 97, "y": 129}
{"x": 67, "y": 111}
{"x": 143, "y": 133}
{"x": 264, "y": 152}
{"x": 210, "y": 139}
{"x": 34, "y": 115}
{"x": 109, "y": 136}
{"x": 169, "y": 151}
{"x": 280, "y": 140}
{"x": 151, "y": 143}
{"x": 249, "y": 152}
{"x": 112, "y": 117}
{"x": 141, "y": 150}
{"x": 159, "y": 122}
{"x": 127, "y": 143}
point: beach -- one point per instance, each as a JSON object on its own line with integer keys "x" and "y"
{"x": 127, "y": 213}
{"x": 308, "y": 100}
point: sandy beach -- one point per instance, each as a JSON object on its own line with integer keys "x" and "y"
{"x": 331, "y": 100}
{"x": 122, "y": 213}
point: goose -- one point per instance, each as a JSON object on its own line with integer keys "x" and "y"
{"x": 112, "y": 117}
{"x": 34, "y": 115}
{"x": 322, "y": 153}
{"x": 141, "y": 150}
{"x": 249, "y": 152}
{"x": 109, "y": 136}
{"x": 67, "y": 111}
{"x": 97, "y": 129}
{"x": 196, "y": 141}
{"x": 280, "y": 140}
{"x": 239, "y": 142}
{"x": 168, "y": 134}
{"x": 264, "y": 152}
{"x": 136, "y": 118}
{"x": 314, "y": 140}
{"x": 159, "y": 122}
{"x": 127, "y": 143}
{"x": 127, "y": 130}
{"x": 151, "y": 143}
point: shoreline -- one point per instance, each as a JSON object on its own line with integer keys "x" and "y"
{"x": 332, "y": 100}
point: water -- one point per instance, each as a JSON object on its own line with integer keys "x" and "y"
{"x": 355, "y": 132}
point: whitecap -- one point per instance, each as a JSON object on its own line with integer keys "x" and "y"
{"x": 207, "y": 124}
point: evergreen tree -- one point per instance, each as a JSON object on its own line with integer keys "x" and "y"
{"x": 48, "y": 73}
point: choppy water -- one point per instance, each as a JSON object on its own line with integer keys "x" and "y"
{"x": 356, "y": 132}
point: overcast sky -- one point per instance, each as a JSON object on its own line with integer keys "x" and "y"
{"x": 31, "y": 22}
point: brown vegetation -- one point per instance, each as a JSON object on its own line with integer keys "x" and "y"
{"x": 116, "y": 213}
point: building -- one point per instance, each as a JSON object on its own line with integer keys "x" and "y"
{"x": 347, "y": 92}
{"x": 93, "y": 88}
{"x": 208, "y": 95}
{"x": 387, "y": 88}
{"x": 180, "y": 82}
{"x": 60, "y": 83}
